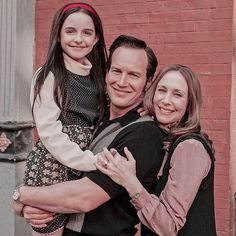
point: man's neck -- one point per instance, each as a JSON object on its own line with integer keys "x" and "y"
{"x": 116, "y": 112}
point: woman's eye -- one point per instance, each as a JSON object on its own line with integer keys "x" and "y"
{"x": 178, "y": 95}
{"x": 161, "y": 90}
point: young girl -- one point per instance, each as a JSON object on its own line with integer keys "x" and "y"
{"x": 67, "y": 98}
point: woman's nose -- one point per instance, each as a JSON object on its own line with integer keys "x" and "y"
{"x": 166, "y": 99}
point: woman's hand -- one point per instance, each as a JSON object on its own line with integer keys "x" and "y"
{"x": 120, "y": 169}
{"x": 37, "y": 217}
{"x": 142, "y": 111}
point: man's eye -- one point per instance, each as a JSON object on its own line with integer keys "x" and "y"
{"x": 134, "y": 76}
{"x": 116, "y": 72}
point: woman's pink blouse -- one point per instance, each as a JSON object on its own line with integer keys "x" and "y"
{"x": 166, "y": 215}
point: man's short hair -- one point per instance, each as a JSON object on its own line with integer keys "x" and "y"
{"x": 132, "y": 42}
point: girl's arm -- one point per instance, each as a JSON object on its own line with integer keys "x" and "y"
{"x": 49, "y": 127}
{"x": 166, "y": 215}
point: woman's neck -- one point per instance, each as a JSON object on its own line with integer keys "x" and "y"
{"x": 168, "y": 127}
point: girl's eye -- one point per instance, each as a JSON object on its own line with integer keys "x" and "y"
{"x": 88, "y": 32}
{"x": 70, "y": 31}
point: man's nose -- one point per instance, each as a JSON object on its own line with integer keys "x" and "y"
{"x": 122, "y": 80}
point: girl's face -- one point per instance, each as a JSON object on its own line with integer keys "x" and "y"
{"x": 78, "y": 36}
{"x": 171, "y": 98}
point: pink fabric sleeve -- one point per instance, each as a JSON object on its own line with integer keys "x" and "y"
{"x": 49, "y": 127}
{"x": 166, "y": 215}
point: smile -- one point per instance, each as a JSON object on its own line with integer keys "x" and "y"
{"x": 120, "y": 91}
{"x": 167, "y": 111}
{"x": 78, "y": 47}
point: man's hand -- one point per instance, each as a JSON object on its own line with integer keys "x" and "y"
{"x": 37, "y": 217}
{"x": 17, "y": 208}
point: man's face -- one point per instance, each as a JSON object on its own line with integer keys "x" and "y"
{"x": 126, "y": 79}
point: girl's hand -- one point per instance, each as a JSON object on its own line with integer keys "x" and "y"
{"x": 120, "y": 169}
{"x": 37, "y": 217}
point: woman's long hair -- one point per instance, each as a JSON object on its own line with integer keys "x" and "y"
{"x": 55, "y": 62}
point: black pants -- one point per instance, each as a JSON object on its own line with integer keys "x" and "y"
{"x": 68, "y": 232}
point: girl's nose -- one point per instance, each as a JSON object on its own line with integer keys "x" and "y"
{"x": 78, "y": 38}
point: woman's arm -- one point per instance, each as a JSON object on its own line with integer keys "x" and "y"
{"x": 165, "y": 215}
{"x": 49, "y": 127}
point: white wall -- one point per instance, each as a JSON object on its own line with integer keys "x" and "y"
{"x": 16, "y": 58}
{"x": 17, "y": 32}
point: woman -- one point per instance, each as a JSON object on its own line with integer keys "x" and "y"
{"x": 183, "y": 203}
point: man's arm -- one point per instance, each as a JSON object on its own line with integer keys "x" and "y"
{"x": 81, "y": 195}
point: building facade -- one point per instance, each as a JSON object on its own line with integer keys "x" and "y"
{"x": 200, "y": 34}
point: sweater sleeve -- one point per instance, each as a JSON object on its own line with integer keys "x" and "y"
{"x": 49, "y": 127}
{"x": 166, "y": 215}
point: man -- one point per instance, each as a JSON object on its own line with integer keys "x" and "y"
{"x": 131, "y": 66}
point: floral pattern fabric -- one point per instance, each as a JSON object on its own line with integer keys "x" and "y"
{"x": 42, "y": 169}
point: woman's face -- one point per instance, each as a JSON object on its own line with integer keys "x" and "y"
{"x": 171, "y": 98}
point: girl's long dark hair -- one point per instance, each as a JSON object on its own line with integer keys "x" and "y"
{"x": 55, "y": 62}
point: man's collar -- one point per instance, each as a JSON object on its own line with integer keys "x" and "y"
{"x": 130, "y": 116}
{"x": 124, "y": 120}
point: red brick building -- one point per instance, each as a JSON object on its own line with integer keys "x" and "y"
{"x": 198, "y": 33}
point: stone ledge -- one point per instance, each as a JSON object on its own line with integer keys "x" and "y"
{"x": 16, "y": 140}
{"x": 13, "y": 125}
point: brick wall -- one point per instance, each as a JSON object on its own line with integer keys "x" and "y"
{"x": 233, "y": 133}
{"x": 192, "y": 32}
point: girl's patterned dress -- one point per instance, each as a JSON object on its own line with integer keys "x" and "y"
{"x": 42, "y": 168}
